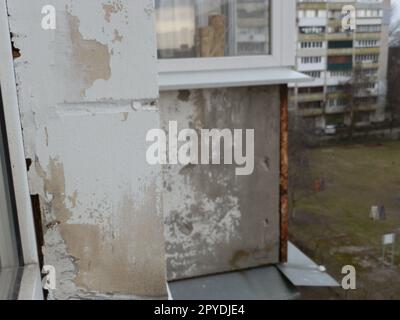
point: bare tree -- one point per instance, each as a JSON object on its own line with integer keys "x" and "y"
{"x": 394, "y": 31}
{"x": 394, "y": 35}
{"x": 393, "y": 97}
{"x": 354, "y": 89}
{"x": 301, "y": 138}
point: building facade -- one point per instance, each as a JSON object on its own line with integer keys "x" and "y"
{"x": 343, "y": 46}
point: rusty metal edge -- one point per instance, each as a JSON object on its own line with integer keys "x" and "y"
{"x": 284, "y": 174}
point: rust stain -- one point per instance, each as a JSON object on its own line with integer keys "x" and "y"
{"x": 130, "y": 266}
{"x": 54, "y": 185}
{"x": 237, "y": 257}
{"x": 125, "y": 116}
{"x": 52, "y": 224}
{"x": 117, "y": 36}
{"x": 73, "y": 199}
{"x": 91, "y": 59}
{"x": 110, "y": 9}
{"x": 284, "y": 173}
{"x": 16, "y": 52}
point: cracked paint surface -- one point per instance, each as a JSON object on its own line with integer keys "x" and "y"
{"x": 85, "y": 116}
{"x": 91, "y": 59}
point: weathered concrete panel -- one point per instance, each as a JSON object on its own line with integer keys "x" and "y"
{"x": 87, "y": 95}
{"x": 101, "y": 201}
{"x": 86, "y": 57}
{"x": 216, "y": 221}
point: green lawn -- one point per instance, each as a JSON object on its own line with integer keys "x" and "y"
{"x": 334, "y": 227}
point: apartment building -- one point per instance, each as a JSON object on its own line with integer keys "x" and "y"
{"x": 337, "y": 58}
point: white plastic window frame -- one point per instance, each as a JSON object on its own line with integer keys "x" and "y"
{"x": 283, "y": 17}
{"x": 30, "y": 286}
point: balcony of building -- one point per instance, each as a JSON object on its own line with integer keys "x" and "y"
{"x": 370, "y": 50}
{"x": 312, "y": 5}
{"x": 312, "y": 21}
{"x": 368, "y": 36}
{"x": 340, "y": 62}
{"x": 340, "y": 36}
{"x": 308, "y": 97}
{"x": 311, "y": 37}
{"x": 369, "y": 65}
{"x": 336, "y": 104}
{"x": 311, "y": 108}
{"x": 335, "y": 109}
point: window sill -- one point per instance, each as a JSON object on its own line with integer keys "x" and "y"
{"x": 31, "y": 283}
{"x": 169, "y": 81}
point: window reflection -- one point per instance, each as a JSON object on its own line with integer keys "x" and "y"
{"x": 212, "y": 28}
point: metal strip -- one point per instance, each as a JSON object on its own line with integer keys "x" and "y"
{"x": 284, "y": 173}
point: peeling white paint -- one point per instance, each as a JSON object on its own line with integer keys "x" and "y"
{"x": 86, "y": 95}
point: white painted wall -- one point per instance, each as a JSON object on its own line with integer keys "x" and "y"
{"x": 87, "y": 96}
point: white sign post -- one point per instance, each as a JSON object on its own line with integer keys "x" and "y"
{"x": 388, "y": 239}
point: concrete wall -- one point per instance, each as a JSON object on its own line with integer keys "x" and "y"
{"x": 84, "y": 115}
{"x": 217, "y": 221}
{"x": 88, "y": 94}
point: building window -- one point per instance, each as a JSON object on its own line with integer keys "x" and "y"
{"x": 367, "y": 43}
{"x": 310, "y": 90}
{"x": 10, "y": 250}
{"x": 338, "y": 63}
{"x": 335, "y": 14}
{"x": 341, "y": 73}
{"x": 366, "y": 101}
{"x": 370, "y": 72}
{"x": 367, "y": 88}
{"x": 367, "y": 58}
{"x": 369, "y": 28}
{"x": 212, "y": 28}
{"x": 311, "y": 105}
{"x": 311, "y": 45}
{"x": 336, "y": 89}
{"x": 368, "y": 85}
{"x": 313, "y": 74}
{"x": 367, "y": 13}
{"x": 307, "y": 60}
{"x": 209, "y": 35}
{"x": 340, "y": 44}
{"x": 312, "y": 30}
{"x": 311, "y": 14}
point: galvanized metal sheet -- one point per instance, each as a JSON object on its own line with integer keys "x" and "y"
{"x": 265, "y": 283}
{"x": 304, "y": 272}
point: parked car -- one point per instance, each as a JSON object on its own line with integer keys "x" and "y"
{"x": 330, "y": 129}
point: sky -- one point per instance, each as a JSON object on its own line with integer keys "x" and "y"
{"x": 396, "y": 11}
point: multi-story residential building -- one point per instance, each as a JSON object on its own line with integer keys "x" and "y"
{"x": 330, "y": 53}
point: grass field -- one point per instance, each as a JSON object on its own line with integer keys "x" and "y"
{"x": 334, "y": 227}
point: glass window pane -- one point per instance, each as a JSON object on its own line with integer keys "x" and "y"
{"x": 8, "y": 241}
{"x": 212, "y": 28}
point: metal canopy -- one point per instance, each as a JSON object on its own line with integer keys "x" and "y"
{"x": 303, "y": 272}
{"x": 263, "y": 283}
